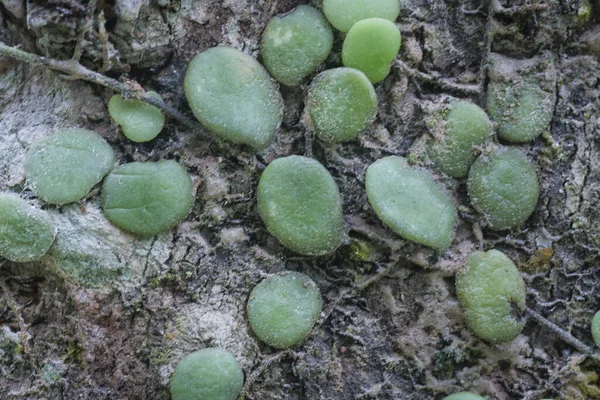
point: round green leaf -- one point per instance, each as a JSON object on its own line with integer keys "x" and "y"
{"x": 491, "y": 292}
{"x": 465, "y": 126}
{"x": 370, "y": 46}
{"x": 293, "y": 46}
{"x": 503, "y": 186}
{"x": 147, "y": 198}
{"x": 341, "y": 103}
{"x": 207, "y": 374}
{"x": 410, "y": 202}
{"x": 140, "y": 121}
{"x": 301, "y": 206}
{"x": 596, "y": 328}
{"x": 522, "y": 111}
{"x": 283, "y": 308}
{"x": 63, "y": 167}
{"x": 342, "y": 14}
{"x": 233, "y": 96}
{"x": 26, "y": 233}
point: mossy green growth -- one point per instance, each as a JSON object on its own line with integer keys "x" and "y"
{"x": 522, "y": 111}
{"x": 147, "y": 198}
{"x": 341, "y": 103}
{"x": 294, "y": 45}
{"x": 503, "y": 187}
{"x": 63, "y": 167}
{"x": 234, "y": 96}
{"x": 370, "y": 46}
{"x": 464, "y": 396}
{"x": 283, "y": 308}
{"x": 139, "y": 121}
{"x": 26, "y": 233}
{"x": 207, "y": 374}
{"x": 342, "y": 14}
{"x": 410, "y": 203}
{"x": 301, "y": 205}
{"x": 464, "y": 126}
{"x": 596, "y": 328}
{"x": 491, "y": 292}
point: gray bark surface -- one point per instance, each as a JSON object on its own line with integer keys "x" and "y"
{"x": 106, "y": 315}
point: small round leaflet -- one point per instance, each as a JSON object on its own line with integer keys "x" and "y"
{"x": 26, "y": 233}
{"x": 491, "y": 292}
{"x": 283, "y": 308}
{"x": 410, "y": 202}
{"x": 294, "y": 45}
{"x": 596, "y": 328}
{"x": 63, "y": 167}
{"x": 521, "y": 111}
{"x": 503, "y": 187}
{"x": 342, "y": 14}
{"x": 234, "y": 96}
{"x": 139, "y": 121}
{"x": 147, "y": 198}
{"x": 370, "y": 46}
{"x": 341, "y": 103}
{"x": 464, "y": 126}
{"x": 207, "y": 374}
{"x": 301, "y": 206}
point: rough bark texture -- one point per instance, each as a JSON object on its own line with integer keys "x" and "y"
{"x": 106, "y": 315}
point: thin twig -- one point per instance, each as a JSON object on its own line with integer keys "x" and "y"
{"x": 564, "y": 335}
{"x": 443, "y": 83}
{"x": 262, "y": 368}
{"x": 73, "y": 68}
{"x": 375, "y": 278}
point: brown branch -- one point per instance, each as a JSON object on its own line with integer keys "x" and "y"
{"x": 442, "y": 83}
{"x": 564, "y": 335}
{"x": 77, "y": 71}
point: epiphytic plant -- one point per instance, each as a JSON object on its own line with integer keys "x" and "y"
{"x": 233, "y": 96}
{"x": 63, "y": 167}
{"x": 410, "y": 202}
{"x": 341, "y": 103}
{"x": 147, "y": 198}
{"x": 294, "y": 45}
{"x": 283, "y": 308}
{"x": 207, "y": 374}
{"x": 301, "y": 206}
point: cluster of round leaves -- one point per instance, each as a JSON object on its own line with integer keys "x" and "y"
{"x": 234, "y": 96}
{"x": 141, "y": 198}
{"x": 503, "y": 187}
{"x": 502, "y": 183}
